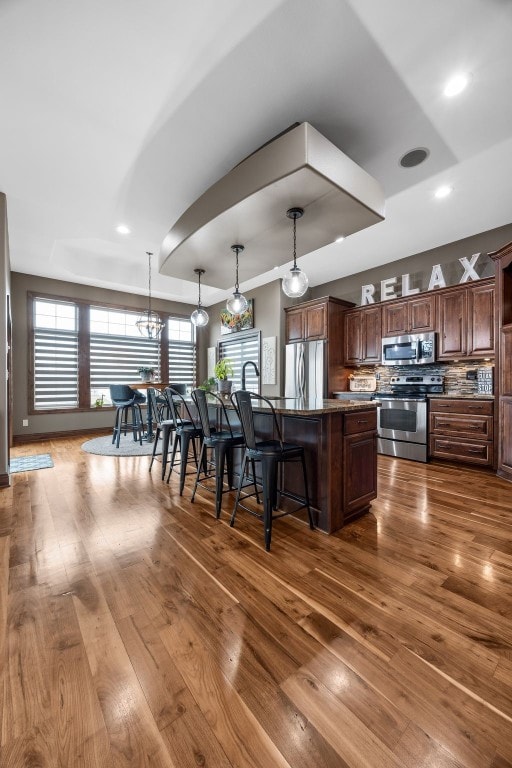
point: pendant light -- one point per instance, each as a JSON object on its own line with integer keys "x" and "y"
{"x": 199, "y": 316}
{"x": 295, "y": 283}
{"x": 150, "y": 323}
{"x": 237, "y": 303}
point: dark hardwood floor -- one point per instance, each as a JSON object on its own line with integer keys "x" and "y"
{"x": 137, "y": 630}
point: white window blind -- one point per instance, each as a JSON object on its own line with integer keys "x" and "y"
{"x": 182, "y": 352}
{"x": 55, "y": 355}
{"x": 240, "y": 348}
{"x": 117, "y": 351}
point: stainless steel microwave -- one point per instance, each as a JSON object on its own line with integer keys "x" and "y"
{"x": 413, "y": 349}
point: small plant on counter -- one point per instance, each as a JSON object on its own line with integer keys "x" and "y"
{"x": 223, "y": 369}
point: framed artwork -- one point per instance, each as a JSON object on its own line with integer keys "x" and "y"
{"x": 231, "y": 323}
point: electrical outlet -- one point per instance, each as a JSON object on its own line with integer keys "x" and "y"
{"x": 25, "y": 422}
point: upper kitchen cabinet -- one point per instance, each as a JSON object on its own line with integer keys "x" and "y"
{"x": 465, "y": 321}
{"x": 409, "y": 315}
{"x": 315, "y": 320}
{"x": 363, "y": 336}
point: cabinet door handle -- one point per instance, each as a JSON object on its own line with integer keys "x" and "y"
{"x": 362, "y": 421}
{"x": 475, "y": 450}
{"x": 475, "y": 407}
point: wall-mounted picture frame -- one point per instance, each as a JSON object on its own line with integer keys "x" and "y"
{"x": 232, "y": 323}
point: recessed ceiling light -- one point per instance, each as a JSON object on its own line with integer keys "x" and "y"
{"x": 456, "y": 84}
{"x": 123, "y": 229}
{"x": 340, "y": 239}
{"x": 443, "y": 191}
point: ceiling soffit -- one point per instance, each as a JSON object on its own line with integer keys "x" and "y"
{"x": 300, "y": 168}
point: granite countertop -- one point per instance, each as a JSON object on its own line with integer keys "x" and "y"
{"x": 304, "y": 407}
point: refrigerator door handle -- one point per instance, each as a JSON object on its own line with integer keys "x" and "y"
{"x": 301, "y": 372}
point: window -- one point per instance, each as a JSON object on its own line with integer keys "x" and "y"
{"x": 241, "y": 348}
{"x": 182, "y": 352}
{"x": 78, "y": 350}
{"x": 117, "y": 350}
{"x": 55, "y": 345}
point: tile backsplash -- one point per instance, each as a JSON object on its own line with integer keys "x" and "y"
{"x": 455, "y": 381}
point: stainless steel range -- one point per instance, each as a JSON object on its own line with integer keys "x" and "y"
{"x": 402, "y": 416}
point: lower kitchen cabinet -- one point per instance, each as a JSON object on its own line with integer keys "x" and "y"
{"x": 461, "y": 429}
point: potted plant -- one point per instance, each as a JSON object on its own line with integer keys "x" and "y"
{"x": 146, "y": 373}
{"x": 208, "y": 385}
{"x": 223, "y": 369}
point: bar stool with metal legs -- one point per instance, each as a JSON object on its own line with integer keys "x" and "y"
{"x": 163, "y": 428}
{"x": 270, "y": 454}
{"x": 186, "y": 433}
{"x": 221, "y": 441}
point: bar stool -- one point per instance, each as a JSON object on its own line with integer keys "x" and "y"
{"x": 270, "y": 454}
{"x": 222, "y": 443}
{"x": 186, "y": 432}
{"x": 163, "y": 427}
{"x": 124, "y": 398}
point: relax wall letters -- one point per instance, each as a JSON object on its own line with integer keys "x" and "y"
{"x": 390, "y": 288}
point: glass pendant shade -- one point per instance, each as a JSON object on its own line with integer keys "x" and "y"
{"x": 150, "y": 323}
{"x": 237, "y": 303}
{"x": 295, "y": 283}
{"x": 199, "y": 316}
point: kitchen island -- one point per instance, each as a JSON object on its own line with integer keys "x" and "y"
{"x": 340, "y": 442}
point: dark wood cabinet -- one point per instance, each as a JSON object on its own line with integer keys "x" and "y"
{"x": 294, "y": 325}
{"x": 480, "y": 308}
{"x": 341, "y": 460}
{"x": 363, "y": 334}
{"x": 315, "y": 322}
{"x": 465, "y": 321}
{"x": 409, "y": 315}
{"x": 503, "y": 422}
{"x": 311, "y": 320}
{"x": 462, "y": 430}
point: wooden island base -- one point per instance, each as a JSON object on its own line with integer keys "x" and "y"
{"x": 340, "y": 442}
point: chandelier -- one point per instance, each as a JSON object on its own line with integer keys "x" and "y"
{"x": 150, "y": 323}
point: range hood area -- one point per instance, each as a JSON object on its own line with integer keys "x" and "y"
{"x": 299, "y": 168}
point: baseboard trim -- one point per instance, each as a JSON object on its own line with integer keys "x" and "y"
{"x": 41, "y": 437}
{"x": 5, "y": 480}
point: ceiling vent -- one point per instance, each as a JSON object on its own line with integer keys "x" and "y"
{"x": 414, "y": 157}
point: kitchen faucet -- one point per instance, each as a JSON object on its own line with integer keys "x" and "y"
{"x": 244, "y": 366}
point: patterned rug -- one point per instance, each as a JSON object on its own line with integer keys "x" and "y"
{"x": 27, "y": 463}
{"x": 103, "y": 446}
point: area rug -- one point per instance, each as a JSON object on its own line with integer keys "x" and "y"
{"x": 103, "y": 446}
{"x": 27, "y": 463}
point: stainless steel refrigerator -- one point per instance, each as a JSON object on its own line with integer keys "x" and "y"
{"x": 305, "y": 374}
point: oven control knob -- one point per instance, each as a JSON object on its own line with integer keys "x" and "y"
{"x": 432, "y": 378}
